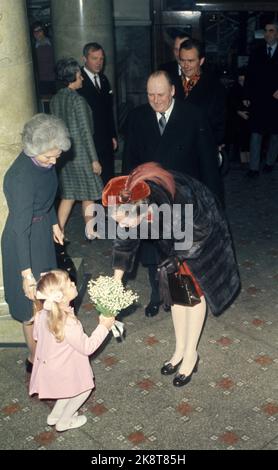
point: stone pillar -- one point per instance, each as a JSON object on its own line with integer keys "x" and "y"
{"x": 76, "y": 23}
{"x": 17, "y": 92}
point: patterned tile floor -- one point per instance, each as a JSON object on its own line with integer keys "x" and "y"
{"x": 231, "y": 403}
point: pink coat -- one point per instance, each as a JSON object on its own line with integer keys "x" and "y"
{"x": 63, "y": 370}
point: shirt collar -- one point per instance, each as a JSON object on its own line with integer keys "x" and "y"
{"x": 90, "y": 74}
{"x": 167, "y": 112}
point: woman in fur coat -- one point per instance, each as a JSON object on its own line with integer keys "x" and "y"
{"x": 193, "y": 238}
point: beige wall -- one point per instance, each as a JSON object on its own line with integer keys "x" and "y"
{"x": 17, "y": 94}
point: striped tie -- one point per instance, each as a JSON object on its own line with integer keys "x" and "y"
{"x": 162, "y": 123}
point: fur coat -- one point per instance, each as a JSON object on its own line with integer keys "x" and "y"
{"x": 211, "y": 257}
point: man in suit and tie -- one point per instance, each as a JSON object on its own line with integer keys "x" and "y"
{"x": 97, "y": 91}
{"x": 175, "y": 134}
{"x": 261, "y": 91}
{"x": 173, "y": 67}
{"x": 202, "y": 88}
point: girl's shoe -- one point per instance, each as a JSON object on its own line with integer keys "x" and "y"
{"x": 52, "y": 420}
{"x": 75, "y": 422}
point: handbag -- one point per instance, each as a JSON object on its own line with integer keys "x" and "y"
{"x": 182, "y": 290}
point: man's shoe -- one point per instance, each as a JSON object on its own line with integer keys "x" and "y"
{"x": 169, "y": 369}
{"x": 252, "y": 174}
{"x": 167, "y": 308}
{"x": 268, "y": 168}
{"x": 152, "y": 309}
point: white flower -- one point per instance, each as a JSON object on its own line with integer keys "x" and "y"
{"x": 109, "y": 295}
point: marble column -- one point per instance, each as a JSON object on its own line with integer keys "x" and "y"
{"x": 17, "y": 92}
{"x": 76, "y": 23}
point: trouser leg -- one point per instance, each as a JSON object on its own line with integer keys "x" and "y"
{"x": 272, "y": 150}
{"x": 152, "y": 271}
{"x": 255, "y": 151}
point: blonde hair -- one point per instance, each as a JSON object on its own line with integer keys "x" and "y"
{"x": 50, "y": 282}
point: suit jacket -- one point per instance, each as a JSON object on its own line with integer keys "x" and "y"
{"x": 210, "y": 96}
{"x": 101, "y": 103}
{"x": 187, "y": 144}
{"x": 172, "y": 68}
{"x": 260, "y": 84}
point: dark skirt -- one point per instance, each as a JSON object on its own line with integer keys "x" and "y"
{"x": 43, "y": 258}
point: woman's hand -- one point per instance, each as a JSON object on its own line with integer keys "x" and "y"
{"x": 118, "y": 274}
{"x": 29, "y": 287}
{"x": 97, "y": 168}
{"x": 58, "y": 235}
{"x": 108, "y": 322}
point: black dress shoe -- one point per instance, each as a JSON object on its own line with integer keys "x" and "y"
{"x": 28, "y": 366}
{"x": 169, "y": 369}
{"x": 252, "y": 174}
{"x": 181, "y": 379}
{"x": 152, "y": 309}
{"x": 268, "y": 168}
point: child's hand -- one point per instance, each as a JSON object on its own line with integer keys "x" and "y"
{"x": 108, "y": 322}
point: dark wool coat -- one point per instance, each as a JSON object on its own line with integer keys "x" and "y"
{"x": 260, "y": 84}
{"x": 27, "y": 239}
{"x": 101, "y": 104}
{"x": 211, "y": 257}
{"x": 172, "y": 68}
{"x": 210, "y": 96}
{"x": 186, "y": 146}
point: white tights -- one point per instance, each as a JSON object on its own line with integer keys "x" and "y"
{"x": 65, "y": 408}
{"x": 188, "y": 323}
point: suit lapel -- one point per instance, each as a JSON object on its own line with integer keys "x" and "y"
{"x": 151, "y": 123}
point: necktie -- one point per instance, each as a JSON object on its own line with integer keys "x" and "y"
{"x": 189, "y": 84}
{"x": 96, "y": 83}
{"x": 269, "y": 51}
{"x": 162, "y": 123}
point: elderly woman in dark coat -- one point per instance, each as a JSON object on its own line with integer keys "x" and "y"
{"x": 208, "y": 259}
{"x": 79, "y": 174}
{"x": 30, "y": 187}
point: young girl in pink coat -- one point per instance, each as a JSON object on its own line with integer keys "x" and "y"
{"x": 61, "y": 367}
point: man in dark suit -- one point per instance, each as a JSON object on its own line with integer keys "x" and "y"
{"x": 176, "y": 135}
{"x": 261, "y": 90}
{"x": 202, "y": 88}
{"x": 97, "y": 91}
{"x": 173, "y": 67}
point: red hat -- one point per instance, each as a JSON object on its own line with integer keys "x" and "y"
{"x": 133, "y": 188}
{"x": 117, "y": 192}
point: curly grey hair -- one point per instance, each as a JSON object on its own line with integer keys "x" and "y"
{"x": 44, "y": 132}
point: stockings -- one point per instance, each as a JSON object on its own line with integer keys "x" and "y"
{"x": 64, "y": 410}
{"x": 188, "y": 323}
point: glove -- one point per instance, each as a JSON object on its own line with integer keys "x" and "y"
{"x": 171, "y": 265}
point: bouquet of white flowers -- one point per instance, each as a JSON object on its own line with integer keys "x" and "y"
{"x": 110, "y": 297}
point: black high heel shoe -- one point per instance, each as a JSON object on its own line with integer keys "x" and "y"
{"x": 169, "y": 369}
{"x": 181, "y": 379}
